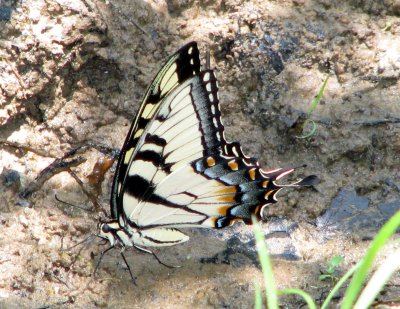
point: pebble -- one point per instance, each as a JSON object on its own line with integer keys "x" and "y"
{"x": 396, "y": 6}
{"x": 5, "y": 13}
{"x": 298, "y": 2}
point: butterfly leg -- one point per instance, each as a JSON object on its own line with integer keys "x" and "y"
{"x": 127, "y": 265}
{"x": 100, "y": 259}
{"x": 123, "y": 257}
{"x": 156, "y": 257}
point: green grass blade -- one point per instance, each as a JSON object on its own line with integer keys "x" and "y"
{"x": 378, "y": 280}
{"x": 307, "y": 298}
{"x": 266, "y": 267}
{"x": 312, "y": 131}
{"x": 338, "y": 285}
{"x": 358, "y": 279}
{"x": 334, "y": 263}
{"x": 314, "y": 105}
{"x": 258, "y": 296}
{"x": 318, "y": 98}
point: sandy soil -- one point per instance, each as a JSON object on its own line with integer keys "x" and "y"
{"x": 72, "y": 72}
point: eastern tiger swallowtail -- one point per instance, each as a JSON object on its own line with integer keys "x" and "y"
{"x": 176, "y": 169}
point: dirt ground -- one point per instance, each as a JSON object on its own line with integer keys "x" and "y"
{"x": 73, "y": 72}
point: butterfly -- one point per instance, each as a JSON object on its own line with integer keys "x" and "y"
{"x": 176, "y": 170}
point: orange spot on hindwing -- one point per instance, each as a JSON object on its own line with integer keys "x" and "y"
{"x": 252, "y": 174}
{"x": 235, "y": 220}
{"x": 226, "y": 190}
{"x": 230, "y": 198}
{"x": 223, "y": 210}
{"x": 210, "y": 161}
{"x": 233, "y": 165}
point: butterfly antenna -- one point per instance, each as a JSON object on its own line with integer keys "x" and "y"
{"x": 91, "y": 237}
{"x": 156, "y": 257}
{"x": 69, "y": 204}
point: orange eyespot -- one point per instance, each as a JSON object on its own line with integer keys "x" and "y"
{"x": 233, "y": 165}
{"x": 210, "y": 161}
{"x": 252, "y": 174}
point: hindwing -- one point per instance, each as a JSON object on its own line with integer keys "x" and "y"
{"x": 214, "y": 191}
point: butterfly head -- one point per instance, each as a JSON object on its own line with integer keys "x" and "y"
{"x": 108, "y": 231}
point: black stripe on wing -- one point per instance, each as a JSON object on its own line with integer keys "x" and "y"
{"x": 187, "y": 62}
{"x": 206, "y": 102}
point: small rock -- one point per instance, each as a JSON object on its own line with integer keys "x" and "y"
{"x": 344, "y": 20}
{"x": 24, "y": 221}
{"x": 389, "y": 209}
{"x": 23, "y": 203}
{"x": 396, "y": 7}
{"x": 51, "y": 213}
{"x": 64, "y": 226}
{"x": 268, "y": 39}
{"x": 275, "y": 61}
{"x": 11, "y": 179}
{"x": 344, "y": 206}
{"x": 5, "y": 13}
{"x": 82, "y": 227}
{"x": 298, "y": 2}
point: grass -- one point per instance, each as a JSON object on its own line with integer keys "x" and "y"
{"x": 314, "y": 105}
{"x": 331, "y": 268}
{"x": 356, "y": 296}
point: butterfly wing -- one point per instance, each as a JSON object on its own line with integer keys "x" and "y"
{"x": 176, "y": 169}
{"x": 184, "y": 173}
{"x": 184, "y": 64}
{"x": 186, "y": 127}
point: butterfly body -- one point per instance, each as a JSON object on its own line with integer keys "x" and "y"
{"x": 176, "y": 170}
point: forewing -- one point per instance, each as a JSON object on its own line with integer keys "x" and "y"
{"x": 181, "y": 66}
{"x": 187, "y": 127}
